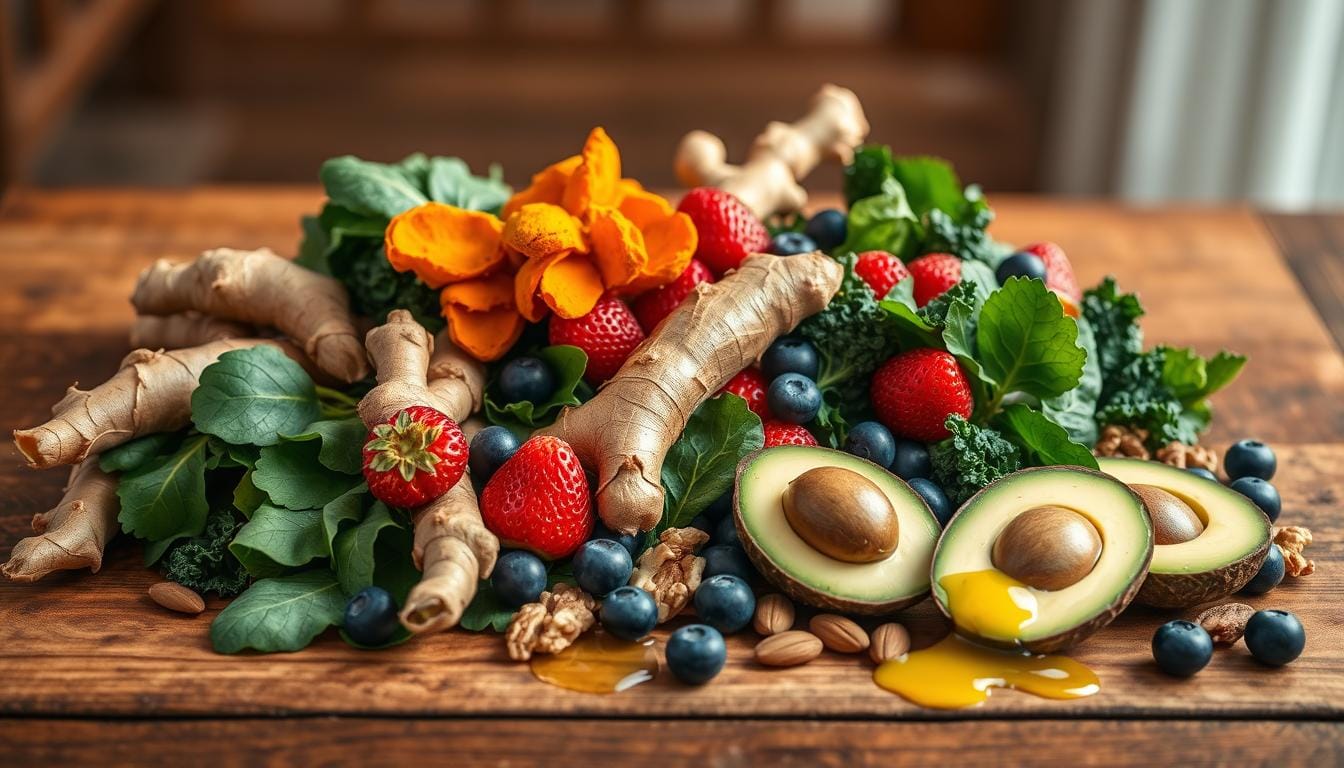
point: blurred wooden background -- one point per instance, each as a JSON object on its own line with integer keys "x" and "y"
{"x": 146, "y": 92}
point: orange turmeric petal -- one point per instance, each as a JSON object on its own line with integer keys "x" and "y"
{"x": 548, "y": 186}
{"x": 443, "y": 244}
{"x": 596, "y": 179}
{"x": 618, "y": 246}
{"x": 671, "y": 244}
{"x": 538, "y": 230}
{"x": 571, "y": 286}
{"x": 481, "y": 294}
{"x": 526, "y": 283}
{"x": 642, "y": 206}
{"x": 485, "y": 336}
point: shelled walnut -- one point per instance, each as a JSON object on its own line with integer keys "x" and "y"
{"x": 551, "y": 624}
{"x": 1117, "y": 440}
{"x": 671, "y": 571}
{"x": 1291, "y": 540}
{"x": 1178, "y": 454}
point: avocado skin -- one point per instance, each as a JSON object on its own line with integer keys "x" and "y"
{"x": 1183, "y": 590}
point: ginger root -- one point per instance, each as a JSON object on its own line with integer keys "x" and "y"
{"x": 780, "y": 157}
{"x": 623, "y": 433}
{"x": 263, "y": 289}
{"x": 187, "y": 329}
{"x": 73, "y": 534}
{"x": 150, "y": 393}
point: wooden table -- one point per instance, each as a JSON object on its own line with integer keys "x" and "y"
{"x": 93, "y": 671}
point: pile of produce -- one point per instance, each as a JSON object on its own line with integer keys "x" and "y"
{"x": 535, "y": 411}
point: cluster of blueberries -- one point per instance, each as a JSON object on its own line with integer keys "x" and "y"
{"x": 1250, "y": 464}
{"x": 825, "y": 231}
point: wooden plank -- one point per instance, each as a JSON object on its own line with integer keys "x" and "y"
{"x": 1313, "y": 245}
{"x": 584, "y": 743}
{"x": 94, "y": 645}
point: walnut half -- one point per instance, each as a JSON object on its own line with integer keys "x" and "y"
{"x": 670, "y": 571}
{"x": 1178, "y": 454}
{"x": 1291, "y": 540}
{"x": 1116, "y": 440}
{"x": 552, "y": 624}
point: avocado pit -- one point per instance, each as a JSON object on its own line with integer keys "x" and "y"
{"x": 1047, "y": 547}
{"x": 1174, "y": 521}
{"x": 841, "y": 514}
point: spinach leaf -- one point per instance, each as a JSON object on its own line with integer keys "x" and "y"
{"x": 450, "y": 181}
{"x": 341, "y": 440}
{"x": 372, "y": 189}
{"x": 486, "y": 611}
{"x": 883, "y": 222}
{"x": 907, "y": 325}
{"x": 293, "y": 477}
{"x": 353, "y": 549}
{"x": 1076, "y": 409}
{"x": 132, "y": 455}
{"x": 276, "y": 539}
{"x": 567, "y": 364}
{"x": 165, "y": 499}
{"x": 252, "y": 396}
{"x": 700, "y": 465}
{"x": 1042, "y": 441}
{"x": 1025, "y": 342}
{"x": 931, "y": 184}
{"x": 280, "y": 614}
{"x": 347, "y": 507}
{"x": 247, "y": 497}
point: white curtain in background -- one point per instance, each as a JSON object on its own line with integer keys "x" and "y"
{"x": 1201, "y": 100}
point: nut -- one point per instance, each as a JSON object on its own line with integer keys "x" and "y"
{"x": 774, "y": 614}
{"x": 1117, "y": 440}
{"x": 838, "y": 633}
{"x": 1178, "y": 454}
{"x": 551, "y": 624}
{"x": 890, "y": 641}
{"x": 670, "y": 570}
{"x": 1226, "y": 623}
{"x": 788, "y": 649}
{"x": 176, "y": 597}
{"x": 1291, "y": 540}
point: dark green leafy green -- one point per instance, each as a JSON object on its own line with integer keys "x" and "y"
{"x": 132, "y": 455}
{"x": 247, "y": 496}
{"x": 486, "y": 611}
{"x": 872, "y": 166}
{"x": 204, "y": 563}
{"x": 567, "y": 363}
{"x": 1114, "y": 318}
{"x": 1025, "y": 343}
{"x": 346, "y": 508}
{"x": 353, "y": 549}
{"x": 293, "y": 477}
{"x": 971, "y": 458}
{"x": 280, "y": 614}
{"x": 370, "y": 189}
{"x": 450, "y": 181}
{"x": 342, "y": 442}
{"x": 883, "y": 222}
{"x": 1076, "y": 410}
{"x": 277, "y": 539}
{"x": 853, "y": 336}
{"x": 1043, "y": 442}
{"x": 165, "y": 498}
{"x": 701, "y": 464}
{"x": 252, "y": 396}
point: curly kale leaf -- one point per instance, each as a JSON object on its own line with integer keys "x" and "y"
{"x": 967, "y": 239}
{"x": 376, "y": 288}
{"x": 1114, "y": 317}
{"x": 971, "y": 458}
{"x": 872, "y": 165}
{"x": 204, "y": 563}
{"x": 853, "y": 336}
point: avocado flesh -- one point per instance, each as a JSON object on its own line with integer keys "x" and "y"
{"x": 806, "y": 574}
{"x": 1215, "y": 563}
{"x": 1064, "y": 616}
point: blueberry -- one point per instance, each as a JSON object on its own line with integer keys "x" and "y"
{"x": 791, "y": 244}
{"x": 725, "y": 603}
{"x": 703, "y": 522}
{"x": 696, "y": 653}
{"x": 725, "y": 534}
{"x": 490, "y": 448}
{"x": 633, "y": 542}
{"x": 1275, "y": 637}
{"x": 1202, "y": 472}
{"x": 629, "y": 613}
{"x": 790, "y": 354}
{"x": 1181, "y": 648}
{"x": 1265, "y": 495}
{"x": 729, "y": 560}
{"x": 938, "y": 502}
{"x": 371, "y": 617}
{"x": 602, "y": 565}
{"x": 827, "y": 228}
{"x": 1250, "y": 458}
{"x": 519, "y": 578}
{"x": 1269, "y": 576}
{"x": 1020, "y": 264}
{"x": 526, "y": 378}
{"x": 912, "y": 460}
{"x": 872, "y": 441}
{"x": 793, "y": 398}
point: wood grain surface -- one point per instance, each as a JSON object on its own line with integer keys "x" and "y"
{"x": 81, "y": 646}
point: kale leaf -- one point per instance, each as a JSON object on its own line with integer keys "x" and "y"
{"x": 872, "y": 165}
{"x": 853, "y": 336}
{"x": 971, "y": 458}
{"x": 1114, "y": 317}
{"x": 204, "y": 563}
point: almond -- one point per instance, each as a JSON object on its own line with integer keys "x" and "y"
{"x": 890, "y": 641}
{"x": 1226, "y": 623}
{"x": 176, "y": 597}
{"x": 774, "y": 614}
{"x": 838, "y": 633}
{"x": 788, "y": 649}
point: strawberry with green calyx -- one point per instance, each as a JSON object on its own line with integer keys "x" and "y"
{"x": 539, "y": 499}
{"x": 415, "y": 457}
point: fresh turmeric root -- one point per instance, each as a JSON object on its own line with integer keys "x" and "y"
{"x": 73, "y": 534}
{"x": 453, "y": 548}
{"x": 263, "y": 289}
{"x": 150, "y": 393}
{"x": 623, "y": 433}
{"x": 187, "y": 329}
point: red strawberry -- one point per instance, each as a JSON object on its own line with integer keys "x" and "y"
{"x": 728, "y": 230}
{"x": 882, "y": 271}
{"x": 749, "y": 384}
{"x": 779, "y": 433}
{"x": 915, "y": 391}
{"x": 934, "y": 273}
{"x": 415, "y": 457}
{"x": 607, "y": 334}
{"x": 539, "y": 499}
{"x": 653, "y": 306}
{"x": 1058, "y": 271}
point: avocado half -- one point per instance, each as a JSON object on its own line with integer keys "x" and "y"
{"x": 1217, "y": 562}
{"x": 806, "y": 574}
{"x": 1065, "y": 616}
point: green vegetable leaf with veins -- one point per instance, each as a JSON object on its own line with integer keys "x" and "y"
{"x": 342, "y": 442}
{"x": 346, "y": 508}
{"x": 450, "y": 181}
{"x": 165, "y": 498}
{"x": 567, "y": 364}
{"x": 1042, "y": 441}
{"x": 276, "y": 539}
{"x": 700, "y": 465}
{"x": 883, "y": 222}
{"x": 280, "y": 614}
{"x": 292, "y": 476}
{"x": 368, "y": 188}
{"x": 132, "y": 455}
{"x": 1076, "y": 410}
{"x": 353, "y": 556}
{"x": 1025, "y": 343}
{"x": 486, "y": 611}
{"x": 252, "y": 396}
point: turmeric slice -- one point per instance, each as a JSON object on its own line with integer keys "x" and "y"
{"x": 571, "y": 286}
{"x": 526, "y": 283}
{"x": 481, "y": 294}
{"x": 486, "y": 335}
{"x": 597, "y": 178}
{"x": 538, "y": 230}
{"x": 548, "y": 186}
{"x": 618, "y": 246}
{"x": 444, "y": 244}
{"x": 670, "y": 243}
{"x": 641, "y": 206}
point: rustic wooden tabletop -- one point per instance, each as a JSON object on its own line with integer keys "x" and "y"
{"x": 92, "y": 671}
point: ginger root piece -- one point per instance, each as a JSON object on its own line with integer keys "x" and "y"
{"x": 150, "y": 393}
{"x": 457, "y": 379}
{"x": 187, "y": 329}
{"x": 263, "y": 289}
{"x": 780, "y": 157}
{"x": 624, "y": 432}
{"x": 73, "y": 534}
